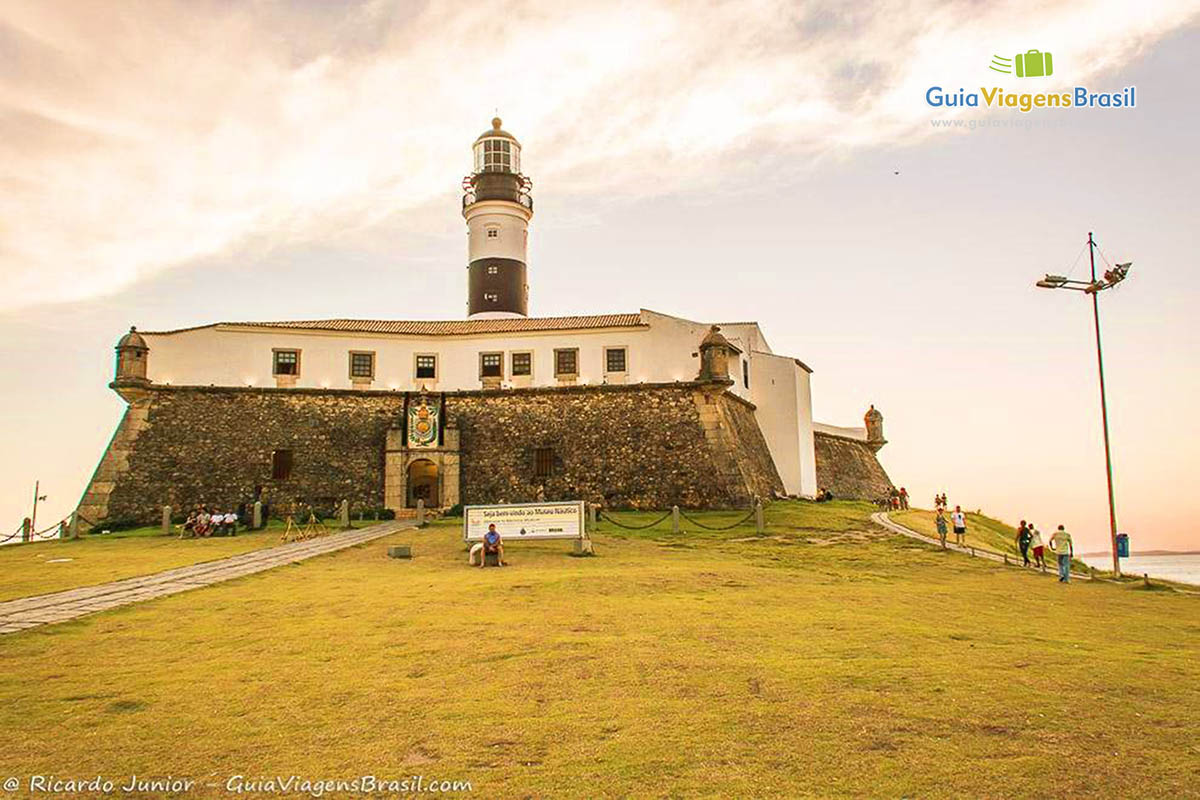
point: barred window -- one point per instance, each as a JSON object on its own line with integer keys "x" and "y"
{"x": 287, "y": 362}
{"x": 543, "y": 462}
{"x": 566, "y": 362}
{"x": 281, "y": 465}
{"x": 522, "y": 363}
{"x": 427, "y": 366}
{"x": 491, "y": 365}
{"x": 362, "y": 365}
{"x": 614, "y": 359}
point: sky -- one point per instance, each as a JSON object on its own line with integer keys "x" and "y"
{"x": 168, "y": 164}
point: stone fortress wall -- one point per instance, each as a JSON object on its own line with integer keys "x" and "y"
{"x": 640, "y": 446}
{"x": 848, "y": 467}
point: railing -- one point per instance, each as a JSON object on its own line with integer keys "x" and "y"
{"x": 675, "y": 514}
{"x": 516, "y": 197}
{"x": 510, "y": 186}
{"x": 67, "y": 526}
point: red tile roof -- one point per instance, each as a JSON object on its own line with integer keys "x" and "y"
{"x": 458, "y": 327}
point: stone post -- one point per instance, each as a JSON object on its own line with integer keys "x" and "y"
{"x": 592, "y": 516}
{"x": 75, "y": 525}
{"x": 62, "y": 529}
{"x": 257, "y": 518}
{"x": 166, "y": 520}
{"x": 26, "y": 529}
{"x": 759, "y": 524}
{"x": 674, "y": 519}
{"x": 344, "y": 514}
{"x": 420, "y": 512}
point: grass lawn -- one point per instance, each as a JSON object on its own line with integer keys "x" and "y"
{"x": 55, "y": 565}
{"x": 824, "y": 659}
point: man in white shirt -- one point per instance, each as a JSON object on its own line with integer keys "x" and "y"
{"x": 959, "y": 519}
{"x": 1061, "y": 544}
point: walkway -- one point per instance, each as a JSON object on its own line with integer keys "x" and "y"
{"x": 46, "y": 609}
{"x": 881, "y": 518}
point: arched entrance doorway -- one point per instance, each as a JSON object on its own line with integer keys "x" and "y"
{"x": 423, "y": 483}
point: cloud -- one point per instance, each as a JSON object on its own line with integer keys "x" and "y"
{"x": 136, "y": 138}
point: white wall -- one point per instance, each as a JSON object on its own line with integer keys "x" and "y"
{"x": 661, "y": 352}
{"x": 844, "y": 432}
{"x": 511, "y": 223}
{"x": 243, "y": 357}
{"x": 781, "y": 391}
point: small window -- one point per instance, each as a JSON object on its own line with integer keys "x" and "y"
{"x": 491, "y": 297}
{"x": 746, "y": 374}
{"x": 566, "y": 362}
{"x": 426, "y": 366}
{"x": 493, "y": 270}
{"x": 362, "y": 365}
{"x": 522, "y": 364}
{"x": 281, "y": 465}
{"x": 493, "y": 233}
{"x": 614, "y": 359}
{"x": 287, "y": 362}
{"x": 491, "y": 365}
{"x": 543, "y": 462}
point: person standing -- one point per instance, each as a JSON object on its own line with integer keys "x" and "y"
{"x": 940, "y": 521}
{"x": 960, "y": 524}
{"x": 1023, "y": 539}
{"x": 903, "y": 499}
{"x": 1060, "y": 543}
{"x": 1038, "y": 546}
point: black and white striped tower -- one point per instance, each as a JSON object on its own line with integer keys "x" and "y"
{"x": 497, "y": 206}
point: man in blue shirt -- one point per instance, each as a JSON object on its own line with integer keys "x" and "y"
{"x": 492, "y": 544}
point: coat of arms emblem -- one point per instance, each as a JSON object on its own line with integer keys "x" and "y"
{"x": 423, "y": 414}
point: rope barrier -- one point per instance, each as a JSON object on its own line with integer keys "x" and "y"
{"x": 700, "y": 524}
{"x": 605, "y": 515}
{"x": 53, "y": 527}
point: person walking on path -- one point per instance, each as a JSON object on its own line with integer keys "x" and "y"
{"x": 940, "y": 521}
{"x": 1060, "y": 543}
{"x": 1024, "y": 537}
{"x": 1038, "y": 547}
{"x": 960, "y": 524}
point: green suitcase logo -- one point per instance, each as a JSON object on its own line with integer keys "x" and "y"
{"x": 1034, "y": 64}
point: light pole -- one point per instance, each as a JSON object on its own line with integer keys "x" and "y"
{"x": 37, "y": 485}
{"x": 1094, "y": 287}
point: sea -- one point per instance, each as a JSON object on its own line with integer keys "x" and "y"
{"x": 1184, "y": 567}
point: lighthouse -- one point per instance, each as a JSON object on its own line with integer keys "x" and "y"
{"x": 497, "y": 206}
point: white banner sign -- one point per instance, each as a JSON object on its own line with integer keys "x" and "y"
{"x": 525, "y": 521}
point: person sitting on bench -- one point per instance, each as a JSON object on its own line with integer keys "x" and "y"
{"x": 492, "y": 544}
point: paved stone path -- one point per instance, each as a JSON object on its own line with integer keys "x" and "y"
{"x": 881, "y": 518}
{"x": 46, "y": 609}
